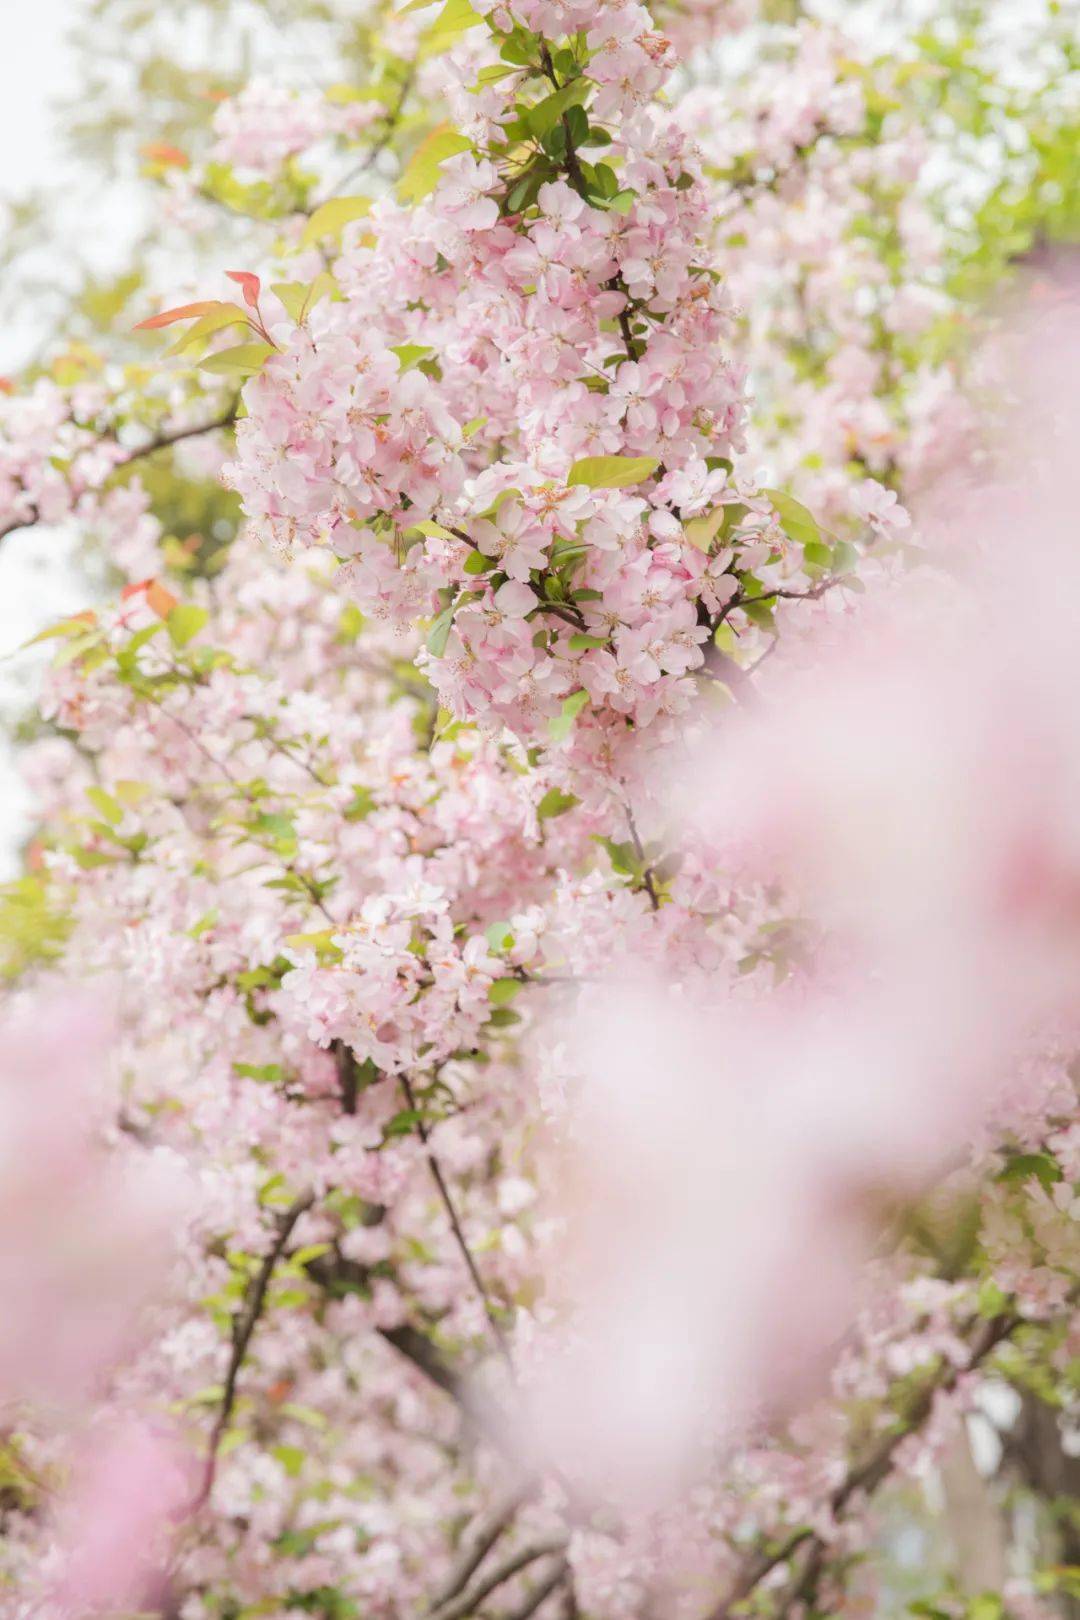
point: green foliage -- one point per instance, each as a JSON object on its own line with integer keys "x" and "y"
{"x": 33, "y": 924}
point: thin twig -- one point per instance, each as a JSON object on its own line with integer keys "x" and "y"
{"x": 345, "y": 1063}
{"x": 639, "y": 850}
{"x": 244, "y": 1324}
{"x": 335, "y": 1273}
{"x": 863, "y": 1479}
{"x": 162, "y": 441}
{"x": 390, "y": 123}
{"x": 543, "y": 1591}
{"x": 510, "y": 1566}
{"x": 478, "y": 1544}
{"x": 455, "y": 1226}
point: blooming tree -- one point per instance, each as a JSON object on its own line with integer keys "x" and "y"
{"x": 436, "y": 1271}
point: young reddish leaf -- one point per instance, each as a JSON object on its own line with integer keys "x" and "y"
{"x": 161, "y": 600}
{"x": 134, "y": 590}
{"x": 250, "y": 284}
{"x": 182, "y": 312}
{"x": 163, "y": 152}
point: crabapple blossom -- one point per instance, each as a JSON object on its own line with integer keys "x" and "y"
{"x": 422, "y": 691}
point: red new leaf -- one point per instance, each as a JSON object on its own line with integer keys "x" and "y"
{"x": 182, "y": 312}
{"x": 250, "y": 284}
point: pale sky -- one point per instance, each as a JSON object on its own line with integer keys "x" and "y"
{"x": 37, "y": 585}
{"x": 34, "y": 68}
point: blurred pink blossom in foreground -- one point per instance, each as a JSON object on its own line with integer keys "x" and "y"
{"x": 84, "y": 1233}
{"x": 915, "y": 787}
{"x": 111, "y": 1527}
{"x": 86, "y": 1242}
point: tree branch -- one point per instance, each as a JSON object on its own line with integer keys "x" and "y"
{"x": 477, "y": 1546}
{"x": 161, "y": 441}
{"x": 456, "y": 1227}
{"x": 345, "y": 1064}
{"x": 529, "y": 1607}
{"x": 335, "y": 1273}
{"x": 511, "y": 1566}
{"x": 245, "y": 1322}
{"x": 647, "y": 876}
{"x": 863, "y": 1479}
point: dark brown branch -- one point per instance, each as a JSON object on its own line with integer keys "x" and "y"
{"x": 165, "y": 441}
{"x": 861, "y": 1480}
{"x": 529, "y": 1607}
{"x": 647, "y": 875}
{"x": 161, "y": 441}
{"x": 244, "y": 1324}
{"x": 510, "y": 1566}
{"x": 477, "y": 1546}
{"x": 573, "y": 162}
{"x": 779, "y": 594}
{"x": 348, "y": 1080}
{"x": 456, "y": 1227}
{"x": 390, "y": 124}
{"x": 20, "y": 523}
{"x": 427, "y": 1358}
{"x": 337, "y": 1274}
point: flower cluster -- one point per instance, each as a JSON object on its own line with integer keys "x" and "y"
{"x": 347, "y": 814}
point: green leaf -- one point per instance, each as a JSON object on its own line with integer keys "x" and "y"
{"x": 291, "y": 1458}
{"x": 304, "y": 1414}
{"x": 499, "y": 935}
{"x": 439, "y": 634}
{"x": 300, "y": 297}
{"x": 433, "y": 531}
{"x": 422, "y": 171}
{"x": 817, "y": 554}
{"x": 477, "y": 563}
{"x": 215, "y": 320}
{"x": 612, "y": 472}
{"x": 503, "y": 1017}
{"x": 560, "y": 725}
{"x": 185, "y": 621}
{"x": 556, "y": 803}
{"x": 453, "y": 20}
{"x": 105, "y": 805}
{"x": 524, "y": 193}
{"x": 702, "y": 531}
{"x": 361, "y": 805}
{"x": 331, "y": 218}
{"x": 321, "y": 942}
{"x": 409, "y": 355}
{"x": 583, "y": 643}
{"x": 623, "y": 857}
{"x": 797, "y": 523}
{"x": 243, "y": 359}
{"x": 279, "y": 828}
{"x": 623, "y": 201}
{"x": 403, "y": 1123}
{"x": 492, "y": 74}
{"x": 576, "y": 120}
{"x": 78, "y": 625}
{"x": 1024, "y": 1166}
{"x": 267, "y": 1073}
{"x": 546, "y": 114}
{"x": 127, "y": 661}
{"x": 503, "y": 991}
